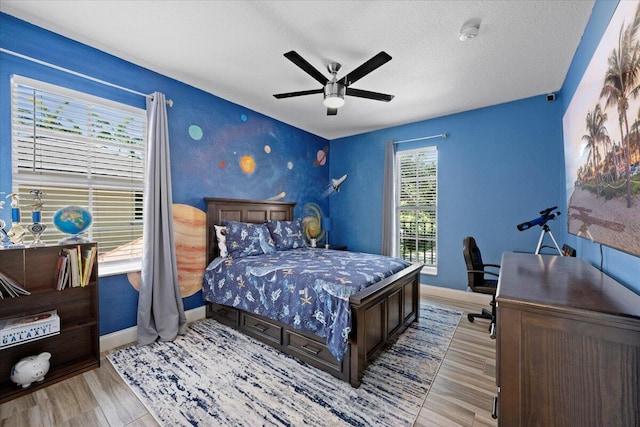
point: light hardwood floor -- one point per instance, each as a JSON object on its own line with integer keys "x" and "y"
{"x": 461, "y": 394}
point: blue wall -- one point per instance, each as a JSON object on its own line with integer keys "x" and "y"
{"x": 208, "y": 167}
{"x": 619, "y": 265}
{"x": 498, "y": 167}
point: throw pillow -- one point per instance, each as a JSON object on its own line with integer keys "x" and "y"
{"x": 287, "y": 234}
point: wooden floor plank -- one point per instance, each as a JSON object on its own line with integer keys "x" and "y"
{"x": 462, "y": 392}
{"x": 120, "y": 405}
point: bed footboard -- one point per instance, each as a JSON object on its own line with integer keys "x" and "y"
{"x": 380, "y": 313}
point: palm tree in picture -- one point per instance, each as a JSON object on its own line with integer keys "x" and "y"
{"x": 621, "y": 84}
{"x": 596, "y": 133}
{"x": 635, "y": 131}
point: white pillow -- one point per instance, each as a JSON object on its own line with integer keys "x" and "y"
{"x": 221, "y": 231}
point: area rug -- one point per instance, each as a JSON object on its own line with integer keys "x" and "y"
{"x": 215, "y": 376}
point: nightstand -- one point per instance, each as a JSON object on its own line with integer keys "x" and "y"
{"x": 335, "y": 247}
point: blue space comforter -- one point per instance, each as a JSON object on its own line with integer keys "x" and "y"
{"x": 306, "y": 288}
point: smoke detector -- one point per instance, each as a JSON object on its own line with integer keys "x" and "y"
{"x": 469, "y": 31}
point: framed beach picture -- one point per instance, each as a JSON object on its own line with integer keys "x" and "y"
{"x": 602, "y": 139}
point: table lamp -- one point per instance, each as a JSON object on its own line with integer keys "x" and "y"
{"x": 326, "y": 226}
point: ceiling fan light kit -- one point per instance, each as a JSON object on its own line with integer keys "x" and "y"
{"x": 334, "y": 90}
{"x": 334, "y": 95}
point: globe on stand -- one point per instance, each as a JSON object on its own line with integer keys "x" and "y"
{"x": 73, "y": 220}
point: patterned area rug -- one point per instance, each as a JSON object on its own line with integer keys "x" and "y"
{"x": 215, "y": 376}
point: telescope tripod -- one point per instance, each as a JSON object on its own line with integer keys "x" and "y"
{"x": 545, "y": 230}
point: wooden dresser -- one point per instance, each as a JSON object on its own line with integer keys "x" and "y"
{"x": 568, "y": 345}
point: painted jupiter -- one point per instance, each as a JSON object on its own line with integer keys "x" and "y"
{"x": 189, "y": 226}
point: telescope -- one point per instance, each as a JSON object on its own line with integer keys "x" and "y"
{"x": 545, "y": 215}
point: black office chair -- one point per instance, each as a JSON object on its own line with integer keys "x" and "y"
{"x": 476, "y": 272}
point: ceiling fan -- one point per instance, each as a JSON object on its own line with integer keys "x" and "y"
{"x": 335, "y": 89}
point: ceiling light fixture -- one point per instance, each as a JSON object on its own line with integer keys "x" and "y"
{"x": 469, "y": 30}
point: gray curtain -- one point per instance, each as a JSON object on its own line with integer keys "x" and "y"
{"x": 389, "y": 200}
{"x": 160, "y": 310}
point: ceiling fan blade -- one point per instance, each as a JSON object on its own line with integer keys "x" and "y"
{"x": 375, "y": 62}
{"x": 368, "y": 94}
{"x": 294, "y": 57}
{"x": 300, "y": 93}
{"x": 332, "y": 111}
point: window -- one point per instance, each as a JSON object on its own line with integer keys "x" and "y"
{"x": 80, "y": 150}
{"x": 416, "y": 205}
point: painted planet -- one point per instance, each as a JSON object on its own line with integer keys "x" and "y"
{"x": 267, "y": 149}
{"x": 189, "y": 228}
{"x": 195, "y": 132}
{"x": 321, "y": 157}
{"x": 247, "y": 164}
{"x": 72, "y": 219}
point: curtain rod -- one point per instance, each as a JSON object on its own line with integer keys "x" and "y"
{"x": 75, "y": 73}
{"x": 442, "y": 135}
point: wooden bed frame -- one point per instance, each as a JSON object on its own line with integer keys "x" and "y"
{"x": 380, "y": 313}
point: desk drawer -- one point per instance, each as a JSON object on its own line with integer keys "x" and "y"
{"x": 261, "y": 328}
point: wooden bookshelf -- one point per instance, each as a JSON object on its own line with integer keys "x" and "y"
{"x": 77, "y": 348}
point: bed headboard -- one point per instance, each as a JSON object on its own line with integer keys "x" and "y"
{"x": 255, "y": 211}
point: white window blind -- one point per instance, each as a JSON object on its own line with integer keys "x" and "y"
{"x": 416, "y": 206}
{"x": 80, "y": 150}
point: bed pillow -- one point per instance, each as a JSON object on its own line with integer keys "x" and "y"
{"x": 245, "y": 239}
{"x": 287, "y": 234}
{"x": 221, "y": 232}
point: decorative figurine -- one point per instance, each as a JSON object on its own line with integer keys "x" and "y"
{"x": 36, "y": 228}
{"x": 31, "y": 369}
{"x": 3, "y": 233}
{"x": 3, "y": 224}
{"x": 16, "y": 232}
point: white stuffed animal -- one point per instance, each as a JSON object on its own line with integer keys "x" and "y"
{"x": 30, "y": 369}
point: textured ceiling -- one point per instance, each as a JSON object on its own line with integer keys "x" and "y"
{"x": 234, "y": 50}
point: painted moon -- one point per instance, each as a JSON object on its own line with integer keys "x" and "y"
{"x": 189, "y": 227}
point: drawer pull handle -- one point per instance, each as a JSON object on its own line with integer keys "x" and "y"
{"x": 223, "y": 312}
{"x": 494, "y": 409}
{"x": 311, "y": 350}
{"x": 261, "y": 327}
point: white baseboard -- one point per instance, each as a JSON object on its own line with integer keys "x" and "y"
{"x": 130, "y": 335}
{"x": 455, "y": 294}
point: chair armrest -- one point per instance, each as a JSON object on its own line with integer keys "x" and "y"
{"x": 484, "y": 272}
{"x": 492, "y": 265}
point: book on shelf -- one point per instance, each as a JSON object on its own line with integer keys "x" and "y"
{"x": 87, "y": 268}
{"x": 75, "y": 266}
{"x": 10, "y": 288}
{"x": 20, "y": 330}
{"x": 74, "y": 272}
{"x": 62, "y": 271}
